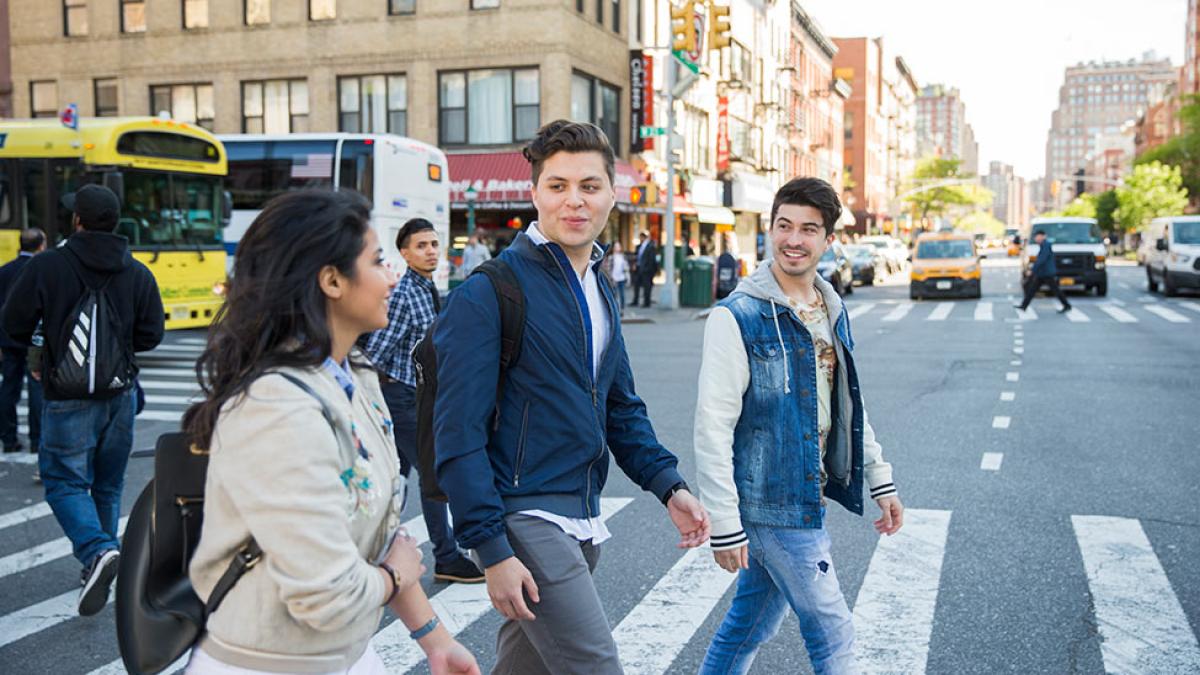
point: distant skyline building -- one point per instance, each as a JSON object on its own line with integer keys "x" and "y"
{"x": 1010, "y": 194}
{"x": 942, "y": 127}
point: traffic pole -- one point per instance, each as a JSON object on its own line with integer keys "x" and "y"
{"x": 669, "y": 297}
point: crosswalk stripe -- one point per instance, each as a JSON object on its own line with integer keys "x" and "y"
{"x": 168, "y": 372}
{"x": 661, "y": 625}
{"x": 24, "y": 515}
{"x": 1140, "y": 619}
{"x": 43, "y": 553}
{"x": 991, "y": 461}
{"x": 902, "y": 581}
{"x": 1117, "y": 313}
{"x": 193, "y": 341}
{"x": 19, "y": 457}
{"x": 859, "y": 310}
{"x": 1076, "y": 315}
{"x": 941, "y": 311}
{"x": 161, "y": 415}
{"x": 1168, "y": 314}
{"x": 187, "y": 349}
{"x": 151, "y": 385}
{"x": 1194, "y": 306}
{"x": 899, "y": 312}
{"x": 983, "y": 311}
{"x": 457, "y": 607}
{"x": 1027, "y": 314}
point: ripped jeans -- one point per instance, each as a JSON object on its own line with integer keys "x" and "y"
{"x": 789, "y": 567}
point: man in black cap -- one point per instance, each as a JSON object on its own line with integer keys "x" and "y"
{"x": 13, "y": 356}
{"x": 86, "y": 441}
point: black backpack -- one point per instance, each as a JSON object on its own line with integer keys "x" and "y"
{"x": 511, "y": 300}
{"x": 159, "y": 617}
{"x": 95, "y": 360}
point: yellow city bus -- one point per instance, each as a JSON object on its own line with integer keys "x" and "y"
{"x": 168, "y": 176}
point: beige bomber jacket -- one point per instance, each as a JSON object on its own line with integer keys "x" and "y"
{"x": 279, "y": 472}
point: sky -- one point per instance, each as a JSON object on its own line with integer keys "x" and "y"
{"x": 1007, "y": 58}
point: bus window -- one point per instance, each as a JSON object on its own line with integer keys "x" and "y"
{"x": 6, "y": 193}
{"x": 358, "y": 167}
{"x": 147, "y": 218}
{"x": 197, "y": 201}
{"x": 299, "y": 165}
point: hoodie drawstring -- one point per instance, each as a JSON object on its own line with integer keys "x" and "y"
{"x": 787, "y": 376}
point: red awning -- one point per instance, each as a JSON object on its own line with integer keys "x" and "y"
{"x": 496, "y": 177}
{"x": 683, "y": 207}
{"x": 626, "y": 178}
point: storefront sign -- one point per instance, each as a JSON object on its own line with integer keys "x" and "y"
{"x": 722, "y": 133}
{"x": 637, "y": 100}
{"x": 648, "y": 98}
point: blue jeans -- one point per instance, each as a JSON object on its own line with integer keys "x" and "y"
{"x": 15, "y": 374}
{"x": 402, "y": 404}
{"x": 85, "y": 448}
{"x": 621, "y": 294}
{"x": 789, "y": 567}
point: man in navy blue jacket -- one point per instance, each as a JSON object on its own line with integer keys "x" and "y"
{"x": 1043, "y": 273}
{"x": 13, "y": 355}
{"x": 524, "y": 470}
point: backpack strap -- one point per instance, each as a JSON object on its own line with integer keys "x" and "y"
{"x": 511, "y": 300}
{"x": 251, "y": 553}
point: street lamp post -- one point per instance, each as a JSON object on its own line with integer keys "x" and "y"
{"x": 470, "y": 194}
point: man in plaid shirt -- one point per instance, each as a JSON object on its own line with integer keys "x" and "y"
{"x": 413, "y": 305}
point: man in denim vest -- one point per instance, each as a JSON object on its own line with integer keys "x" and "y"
{"x": 780, "y": 427}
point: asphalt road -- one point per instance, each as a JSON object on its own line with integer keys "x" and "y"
{"x": 1048, "y": 463}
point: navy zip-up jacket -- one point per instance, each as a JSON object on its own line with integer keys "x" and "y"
{"x": 1043, "y": 265}
{"x": 544, "y": 444}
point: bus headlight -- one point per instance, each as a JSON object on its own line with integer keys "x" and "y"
{"x": 219, "y": 289}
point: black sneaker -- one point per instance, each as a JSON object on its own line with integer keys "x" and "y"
{"x": 462, "y": 571}
{"x": 15, "y": 446}
{"x": 97, "y": 581}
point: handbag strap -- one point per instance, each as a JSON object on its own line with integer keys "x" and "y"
{"x": 250, "y": 554}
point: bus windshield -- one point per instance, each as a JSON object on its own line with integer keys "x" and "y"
{"x": 945, "y": 248}
{"x": 171, "y": 211}
{"x": 1070, "y": 233}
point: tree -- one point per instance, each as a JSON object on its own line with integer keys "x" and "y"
{"x": 1106, "y": 205}
{"x": 1152, "y": 190}
{"x": 1083, "y": 206}
{"x": 936, "y": 201}
{"x": 981, "y": 221}
{"x": 1183, "y": 151}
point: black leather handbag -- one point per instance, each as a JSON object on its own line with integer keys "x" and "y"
{"x": 158, "y": 614}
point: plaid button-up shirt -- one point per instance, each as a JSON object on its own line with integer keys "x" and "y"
{"x": 410, "y": 313}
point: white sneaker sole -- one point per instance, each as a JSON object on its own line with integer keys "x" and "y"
{"x": 94, "y": 595}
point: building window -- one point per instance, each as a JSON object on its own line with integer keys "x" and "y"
{"x": 373, "y": 104}
{"x": 195, "y": 14}
{"x": 597, "y": 102}
{"x": 43, "y": 98}
{"x": 402, "y": 7}
{"x": 579, "y": 6}
{"x": 640, "y": 21}
{"x": 275, "y": 107}
{"x": 322, "y": 10}
{"x": 104, "y": 93}
{"x": 75, "y": 18}
{"x": 488, "y": 107}
{"x": 600, "y": 12}
{"x": 849, "y": 126}
{"x": 616, "y": 16}
{"x": 191, "y": 103}
{"x": 485, "y": 4}
{"x": 133, "y": 16}
{"x": 258, "y": 12}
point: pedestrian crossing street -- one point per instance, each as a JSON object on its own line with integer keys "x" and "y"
{"x": 1103, "y": 311}
{"x": 1141, "y": 623}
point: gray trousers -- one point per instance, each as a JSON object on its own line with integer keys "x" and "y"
{"x": 571, "y": 633}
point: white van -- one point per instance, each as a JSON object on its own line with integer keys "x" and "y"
{"x": 1171, "y": 249}
{"x": 1079, "y": 252}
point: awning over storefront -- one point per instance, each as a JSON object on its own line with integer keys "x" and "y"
{"x": 683, "y": 207}
{"x": 501, "y": 180}
{"x": 846, "y": 219}
{"x": 751, "y": 192}
{"x": 717, "y": 215}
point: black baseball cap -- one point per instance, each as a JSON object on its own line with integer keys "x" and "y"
{"x": 97, "y": 207}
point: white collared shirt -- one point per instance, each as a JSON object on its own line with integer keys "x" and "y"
{"x": 582, "y": 529}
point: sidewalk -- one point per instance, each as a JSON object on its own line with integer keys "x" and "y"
{"x": 656, "y": 314}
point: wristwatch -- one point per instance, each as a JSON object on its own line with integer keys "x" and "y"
{"x": 681, "y": 485}
{"x": 396, "y": 581}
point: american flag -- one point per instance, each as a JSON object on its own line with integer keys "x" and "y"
{"x": 313, "y": 166}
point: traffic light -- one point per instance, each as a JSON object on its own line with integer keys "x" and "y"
{"x": 1054, "y": 188}
{"x": 718, "y": 26}
{"x": 683, "y": 27}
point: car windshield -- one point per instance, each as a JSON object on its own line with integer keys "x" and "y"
{"x": 1070, "y": 233}
{"x": 828, "y": 256}
{"x": 860, "y": 251}
{"x": 945, "y": 248}
{"x": 877, "y": 243}
{"x": 1187, "y": 232}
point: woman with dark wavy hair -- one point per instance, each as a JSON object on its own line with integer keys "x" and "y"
{"x": 320, "y": 498}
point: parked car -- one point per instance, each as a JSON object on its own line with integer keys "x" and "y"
{"x": 867, "y": 263}
{"x": 1171, "y": 249}
{"x": 1080, "y": 253}
{"x": 835, "y": 268}
{"x": 945, "y": 265}
{"x": 891, "y": 248}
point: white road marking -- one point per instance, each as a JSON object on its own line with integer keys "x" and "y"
{"x": 193, "y": 341}
{"x": 151, "y": 385}
{"x": 457, "y": 607}
{"x": 42, "y": 553}
{"x": 940, "y": 311}
{"x": 1018, "y": 341}
{"x": 1018, "y": 350}
{"x": 1124, "y": 285}
{"x": 983, "y": 311}
{"x": 1117, "y": 313}
{"x": 168, "y": 372}
{"x": 900, "y": 312}
{"x": 1168, "y": 314}
{"x": 1012, "y": 377}
{"x": 1142, "y": 624}
{"x": 1015, "y": 362}
{"x": 859, "y": 310}
{"x": 1194, "y": 306}
{"x": 1076, "y": 315}
{"x": 1008, "y": 396}
{"x": 161, "y": 415}
{"x": 178, "y": 348}
{"x": 1027, "y": 314}
{"x": 893, "y": 615}
{"x": 24, "y": 515}
{"x": 991, "y": 461}
{"x": 19, "y": 457}
{"x": 1001, "y": 422}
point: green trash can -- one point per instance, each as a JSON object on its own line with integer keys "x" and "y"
{"x": 696, "y": 289}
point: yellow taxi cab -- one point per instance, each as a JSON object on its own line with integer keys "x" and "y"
{"x": 945, "y": 264}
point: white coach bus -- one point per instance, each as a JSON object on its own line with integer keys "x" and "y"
{"x": 402, "y": 177}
